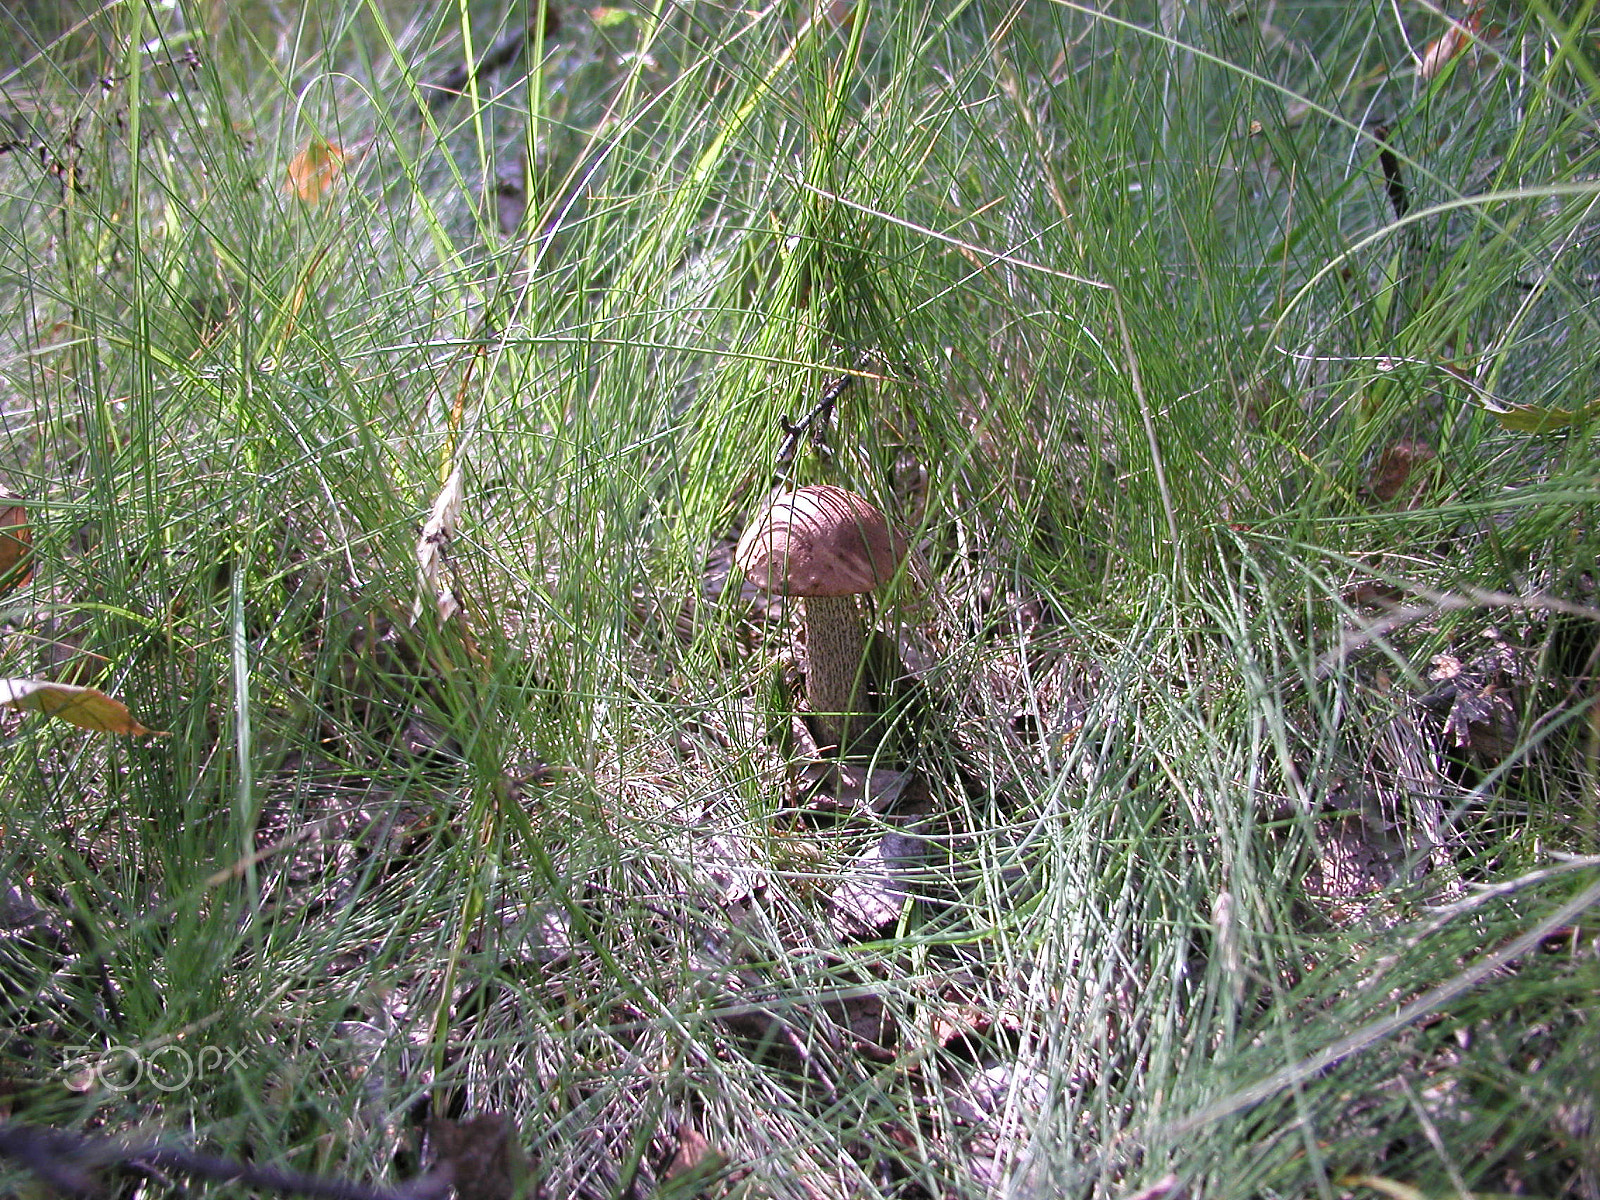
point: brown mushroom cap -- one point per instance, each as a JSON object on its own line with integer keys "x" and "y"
{"x": 819, "y": 541}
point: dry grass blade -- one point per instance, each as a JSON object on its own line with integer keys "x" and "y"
{"x": 433, "y": 549}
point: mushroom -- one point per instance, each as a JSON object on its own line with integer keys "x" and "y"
{"x": 827, "y": 545}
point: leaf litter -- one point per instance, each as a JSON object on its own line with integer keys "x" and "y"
{"x": 1034, "y": 690}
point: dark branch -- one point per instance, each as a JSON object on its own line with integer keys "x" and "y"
{"x": 66, "y": 1161}
{"x": 1393, "y": 184}
{"x": 814, "y": 425}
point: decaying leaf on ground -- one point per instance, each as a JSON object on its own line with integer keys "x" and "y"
{"x": 1396, "y": 467}
{"x": 1479, "y": 701}
{"x": 992, "y": 1105}
{"x": 693, "y": 1166}
{"x": 1167, "y": 1187}
{"x": 87, "y": 707}
{"x": 877, "y": 885}
{"x": 965, "y": 1010}
{"x": 510, "y": 195}
{"x": 850, "y": 787}
{"x": 69, "y": 1164}
{"x": 480, "y": 1156}
{"x": 16, "y": 545}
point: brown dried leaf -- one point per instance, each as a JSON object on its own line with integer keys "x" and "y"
{"x": 1166, "y": 1188}
{"x": 841, "y": 14}
{"x": 315, "y": 169}
{"x": 877, "y": 885}
{"x": 843, "y": 786}
{"x": 16, "y": 546}
{"x": 1392, "y": 1188}
{"x": 510, "y": 196}
{"x": 693, "y": 1165}
{"x": 964, "y": 1011}
{"x": 1396, "y": 466}
{"x": 1480, "y": 700}
{"x": 1440, "y": 51}
{"x": 1447, "y": 46}
{"x": 87, "y": 707}
{"x": 1484, "y": 722}
{"x": 480, "y": 1155}
{"x": 958, "y": 1020}
{"x": 1373, "y": 594}
{"x": 873, "y": 1030}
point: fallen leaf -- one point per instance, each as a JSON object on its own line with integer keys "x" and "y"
{"x": 510, "y": 197}
{"x": 1395, "y": 467}
{"x": 1484, "y": 721}
{"x": 726, "y": 865}
{"x": 874, "y": 1032}
{"x": 87, "y": 707}
{"x": 1440, "y": 51}
{"x": 315, "y": 169}
{"x": 1373, "y": 594}
{"x": 693, "y": 1165}
{"x": 841, "y": 14}
{"x": 956, "y": 1021}
{"x": 16, "y": 546}
{"x": 963, "y": 1010}
{"x": 1539, "y": 418}
{"x": 1447, "y": 46}
{"x": 878, "y": 884}
{"x": 1166, "y": 1188}
{"x": 1388, "y": 1187}
{"x": 480, "y": 1155}
{"x": 846, "y": 787}
{"x": 993, "y": 1105}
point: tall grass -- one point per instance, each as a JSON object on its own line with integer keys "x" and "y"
{"x": 1137, "y": 301}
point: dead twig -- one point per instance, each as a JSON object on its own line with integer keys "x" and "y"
{"x": 1435, "y": 603}
{"x": 814, "y": 425}
{"x": 67, "y": 1162}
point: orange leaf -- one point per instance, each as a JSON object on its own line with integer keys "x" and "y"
{"x": 315, "y": 169}
{"x": 87, "y": 707}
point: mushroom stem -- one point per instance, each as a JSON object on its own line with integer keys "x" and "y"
{"x": 835, "y": 645}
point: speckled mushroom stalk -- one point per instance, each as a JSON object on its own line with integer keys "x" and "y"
{"x": 836, "y": 643}
{"x": 827, "y": 545}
